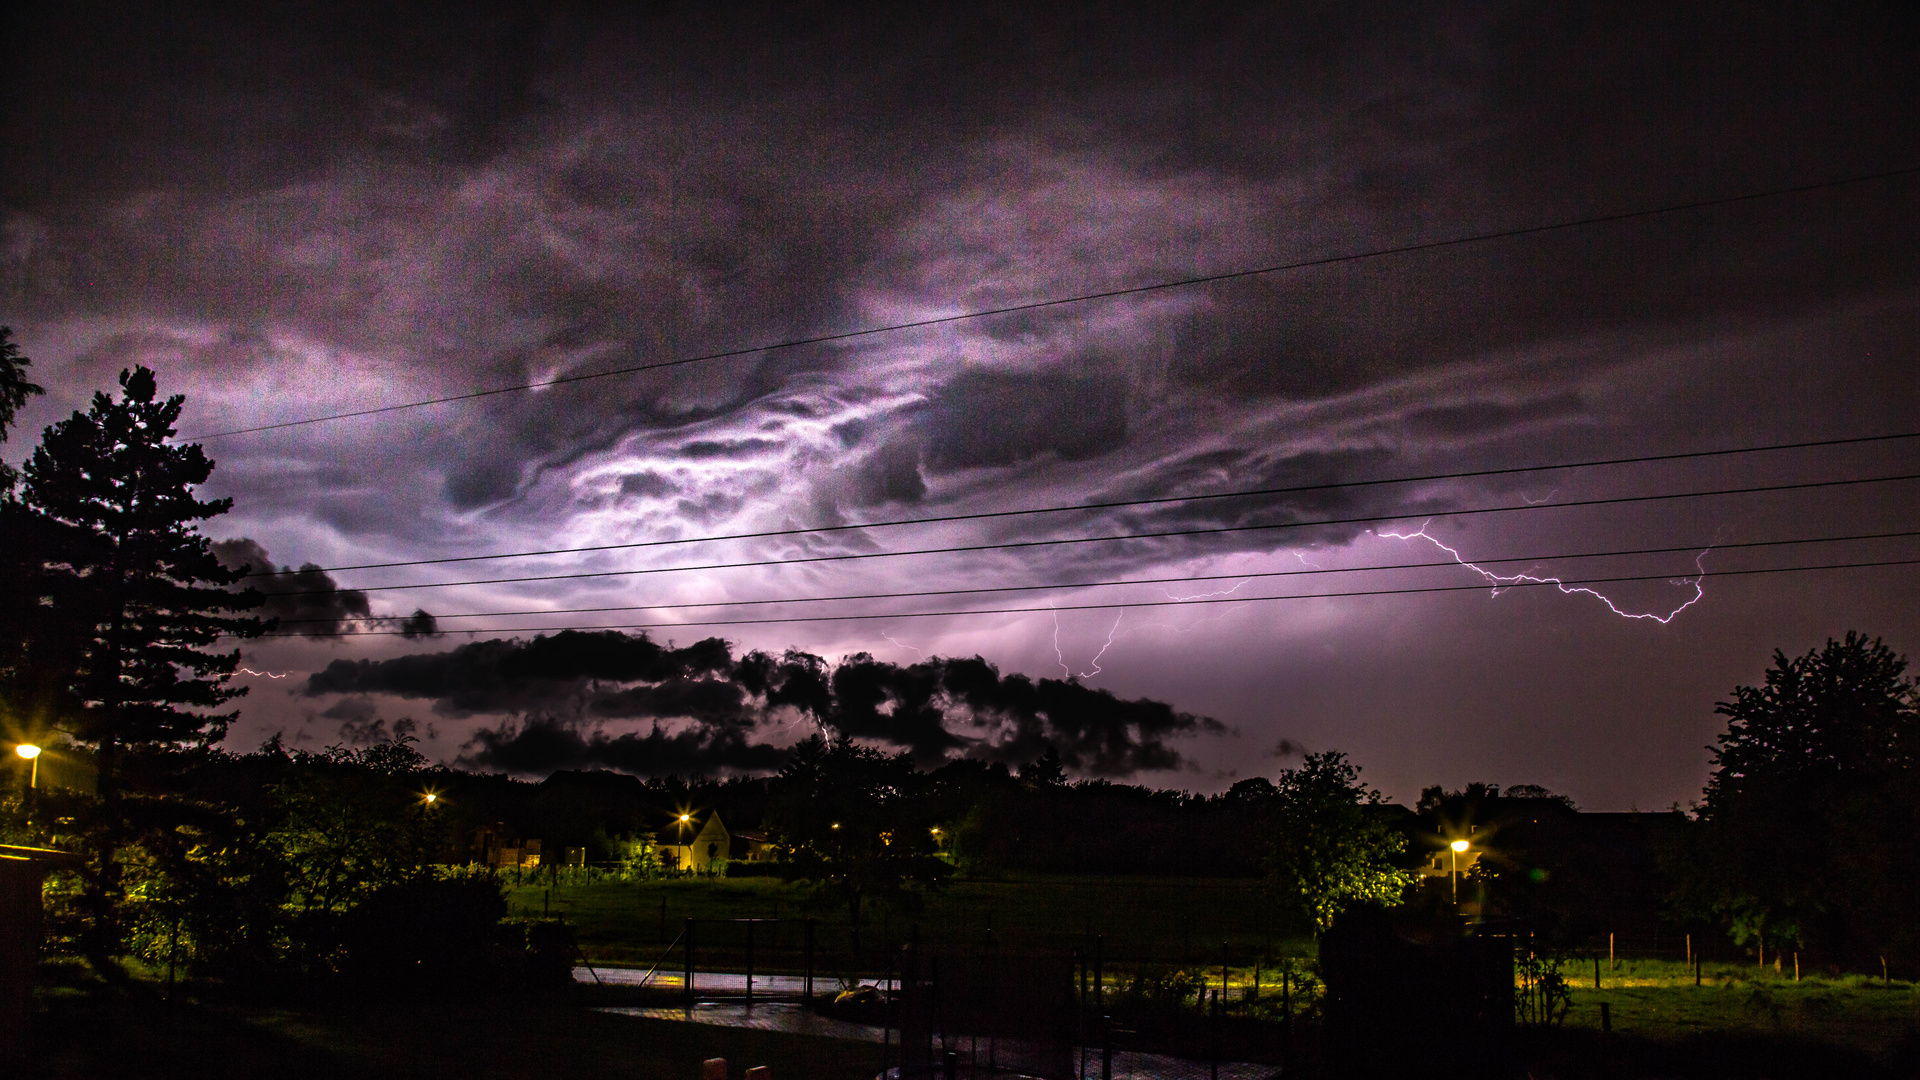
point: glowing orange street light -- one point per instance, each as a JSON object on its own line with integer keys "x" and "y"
{"x": 431, "y": 798}
{"x": 32, "y": 754}
{"x": 1453, "y": 876}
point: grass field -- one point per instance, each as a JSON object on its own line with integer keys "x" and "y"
{"x": 1658, "y": 1001}
{"x": 1181, "y": 921}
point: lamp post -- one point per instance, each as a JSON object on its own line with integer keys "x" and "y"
{"x": 1453, "y": 876}
{"x": 32, "y": 754}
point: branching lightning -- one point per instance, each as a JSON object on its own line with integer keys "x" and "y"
{"x": 1499, "y": 581}
{"x": 903, "y": 644}
{"x": 268, "y": 674}
{"x": 1207, "y": 595}
{"x": 1059, "y": 656}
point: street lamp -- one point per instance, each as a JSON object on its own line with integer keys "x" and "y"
{"x": 1453, "y": 877}
{"x": 32, "y": 754}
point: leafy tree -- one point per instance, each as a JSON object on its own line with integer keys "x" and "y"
{"x": 14, "y": 392}
{"x": 20, "y": 699}
{"x": 141, "y": 595}
{"x": 1809, "y": 816}
{"x": 1330, "y": 847}
{"x": 855, "y": 822}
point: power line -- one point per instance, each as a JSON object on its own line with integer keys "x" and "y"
{"x": 1063, "y": 541}
{"x": 1110, "y": 505}
{"x": 1160, "y": 603}
{"x": 1135, "y": 290}
{"x": 1182, "y": 579}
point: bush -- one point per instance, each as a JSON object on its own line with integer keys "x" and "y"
{"x": 754, "y": 869}
{"x": 425, "y": 937}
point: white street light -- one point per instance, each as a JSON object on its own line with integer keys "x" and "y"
{"x": 32, "y": 754}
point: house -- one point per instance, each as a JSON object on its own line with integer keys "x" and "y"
{"x": 496, "y": 846}
{"x": 695, "y": 843}
{"x": 753, "y": 847}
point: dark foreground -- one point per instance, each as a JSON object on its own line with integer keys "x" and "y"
{"x": 136, "y": 1036}
{"x": 131, "y": 1033}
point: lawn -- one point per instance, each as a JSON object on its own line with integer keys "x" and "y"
{"x": 1657, "y": 1000}
{"x": 1179, "y": 921}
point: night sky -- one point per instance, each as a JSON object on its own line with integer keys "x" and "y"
{"x": 301, "y": 214}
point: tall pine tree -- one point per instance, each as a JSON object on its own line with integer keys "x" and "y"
{"x": 133, "y": 571}
{"x": 23, "y": 704}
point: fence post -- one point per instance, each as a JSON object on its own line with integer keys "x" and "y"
{"x": 750, "y": 923}
{"x": 1106, "y": 1052}
{"x": 1213, "y": 1038}
{"x": 1286, "y": 1018}
{"x": 688, "y": 982}
{"x": 1099, "y": 958}
{"x": 809, "y": 990}
{"x": 1080, "y": 1013}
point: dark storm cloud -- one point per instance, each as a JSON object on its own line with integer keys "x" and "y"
{"x": 548, "y": 205}
{"x": 1017, "y": 718}
{"x": 541, "y": 745}
{"x": 308, "y": 600}
{"x": 936, "y": 709}
{"x": 993, "y": 418}
{"x": 568, "y": 671}
{"x": 703, "y": 450}
{"x": 647, "y": 485}
{"x": 1481, "y": 418}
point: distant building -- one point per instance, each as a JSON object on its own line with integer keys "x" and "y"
{"x": 752, "y": 847}
{"x": 496, "y": 846}
{"x": 696, "y": 843}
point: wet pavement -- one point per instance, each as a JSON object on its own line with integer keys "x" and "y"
{"x": 795, "y": 1018}
{"x": 716, "y": 982}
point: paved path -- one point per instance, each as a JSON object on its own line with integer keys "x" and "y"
{"x": 718, "y": 982}
{"x": 798, "y": 1020}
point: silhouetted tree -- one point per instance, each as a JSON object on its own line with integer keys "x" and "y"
{"x": 125, "y": 563}
{"x": 855, "y": 822}
{"x": 1330, "y": 848}
{"x": 21, "y": 623}
{"x": 14, "y": 392}
{"x": 1810, "y": 815}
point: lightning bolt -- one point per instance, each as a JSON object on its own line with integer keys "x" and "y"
{"x": 910, "y": 648}
{"x": 1207, "y": 595}
{"x": 268, "y": 674}
{"x": 1538, "y": 501}
{"x": 1061, "y": 658}
{"x": 1498, "y": 581}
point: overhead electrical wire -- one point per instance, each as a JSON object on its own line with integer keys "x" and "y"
{"x": 1187, "y": 579}
{"x": 1106, "y": 294}
{"x": 1196, "y": 602}
{"x": 1117, "y": 538}
{"x": 1164, "y": 500}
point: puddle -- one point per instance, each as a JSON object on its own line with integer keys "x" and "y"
{"x": 796, "y": 1019}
